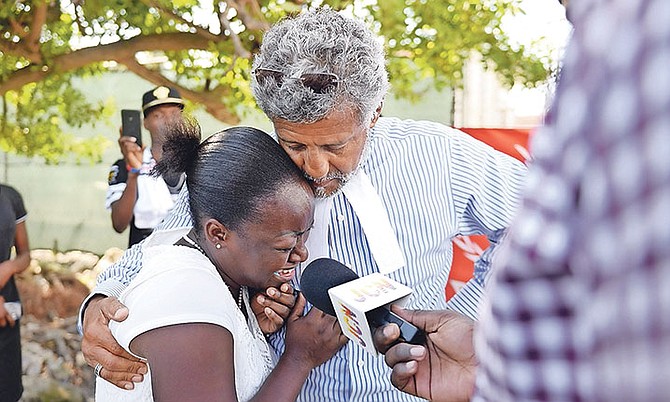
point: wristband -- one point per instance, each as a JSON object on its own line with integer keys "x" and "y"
{"x": 132, "y": 169}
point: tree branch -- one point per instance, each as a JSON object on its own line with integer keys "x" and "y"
{"x": 17, "y": 49}
{"x": 211, "y": 101}
{"x": 28, "y": 46}
{"x": 198, "y": 29}
{"x": 237, "y": 43}
{"x": 17, "y": 28}
{"x": 118, "y": 51}
{"x": 38, "y": 21}
{"x": 253, "y": 19}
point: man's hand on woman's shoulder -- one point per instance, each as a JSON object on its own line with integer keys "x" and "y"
{"x": 99, "y": 346}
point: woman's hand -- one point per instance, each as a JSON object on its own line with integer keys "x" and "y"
{"x": 273, "y": 307}
{"x": 314, "y": 337}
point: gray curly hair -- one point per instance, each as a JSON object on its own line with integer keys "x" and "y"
{"x": 320, "y": 41}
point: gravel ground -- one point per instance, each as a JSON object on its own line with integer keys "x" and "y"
{"x": 52, "y": 289}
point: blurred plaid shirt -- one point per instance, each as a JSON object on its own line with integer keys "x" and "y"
{"x": 580, "y": 296}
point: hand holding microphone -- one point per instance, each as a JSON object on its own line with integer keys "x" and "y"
{"x": 431, "y": 354}
{"x": 443, "y": 370}
{"x": 358, "y": 303}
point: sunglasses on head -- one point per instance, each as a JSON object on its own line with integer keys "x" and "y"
{"x": 320, "y": 83}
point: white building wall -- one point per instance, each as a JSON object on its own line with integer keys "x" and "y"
{"x": 484, "y": 102}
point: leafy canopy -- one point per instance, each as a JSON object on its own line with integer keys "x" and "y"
{"x": 204, "y": 48}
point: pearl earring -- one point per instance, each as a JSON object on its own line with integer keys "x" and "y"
{"x": 218, "y": 245}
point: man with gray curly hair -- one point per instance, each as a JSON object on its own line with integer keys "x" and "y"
{"x": 392, "y": 193}
{"x": 315, "y": 71}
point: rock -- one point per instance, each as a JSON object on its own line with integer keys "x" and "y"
{"x": 53, "y": 365}
{"x": 52, "y": 290}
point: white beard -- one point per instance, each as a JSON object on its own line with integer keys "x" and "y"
{"x": 320, "y": 192}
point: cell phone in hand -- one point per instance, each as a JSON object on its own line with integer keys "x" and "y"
{"x": 131, "y": 124}
{"x": 14, "y": 309}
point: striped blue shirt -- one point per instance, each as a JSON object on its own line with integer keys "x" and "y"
{"x": 436, "y": 183}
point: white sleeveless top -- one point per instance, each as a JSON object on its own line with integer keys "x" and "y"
{"x": 179, "y": 285}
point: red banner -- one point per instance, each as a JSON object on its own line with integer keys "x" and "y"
{"x": 467, "y": 249}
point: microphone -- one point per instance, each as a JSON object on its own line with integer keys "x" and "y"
{"x": 359, "y": 303}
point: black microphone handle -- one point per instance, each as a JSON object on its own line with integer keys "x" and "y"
{"x": 408, "y": 332}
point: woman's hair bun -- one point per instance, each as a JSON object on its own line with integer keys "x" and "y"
{"x": 180, "y": 149}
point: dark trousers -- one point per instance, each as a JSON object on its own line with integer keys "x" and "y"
{"x": 10, "y": 363}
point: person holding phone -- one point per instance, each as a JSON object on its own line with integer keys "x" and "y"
{"x": 13, "y": 234}
{"x": 134, "y": 197}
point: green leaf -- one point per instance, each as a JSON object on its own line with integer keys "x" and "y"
{"x": 183, "y": 42}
